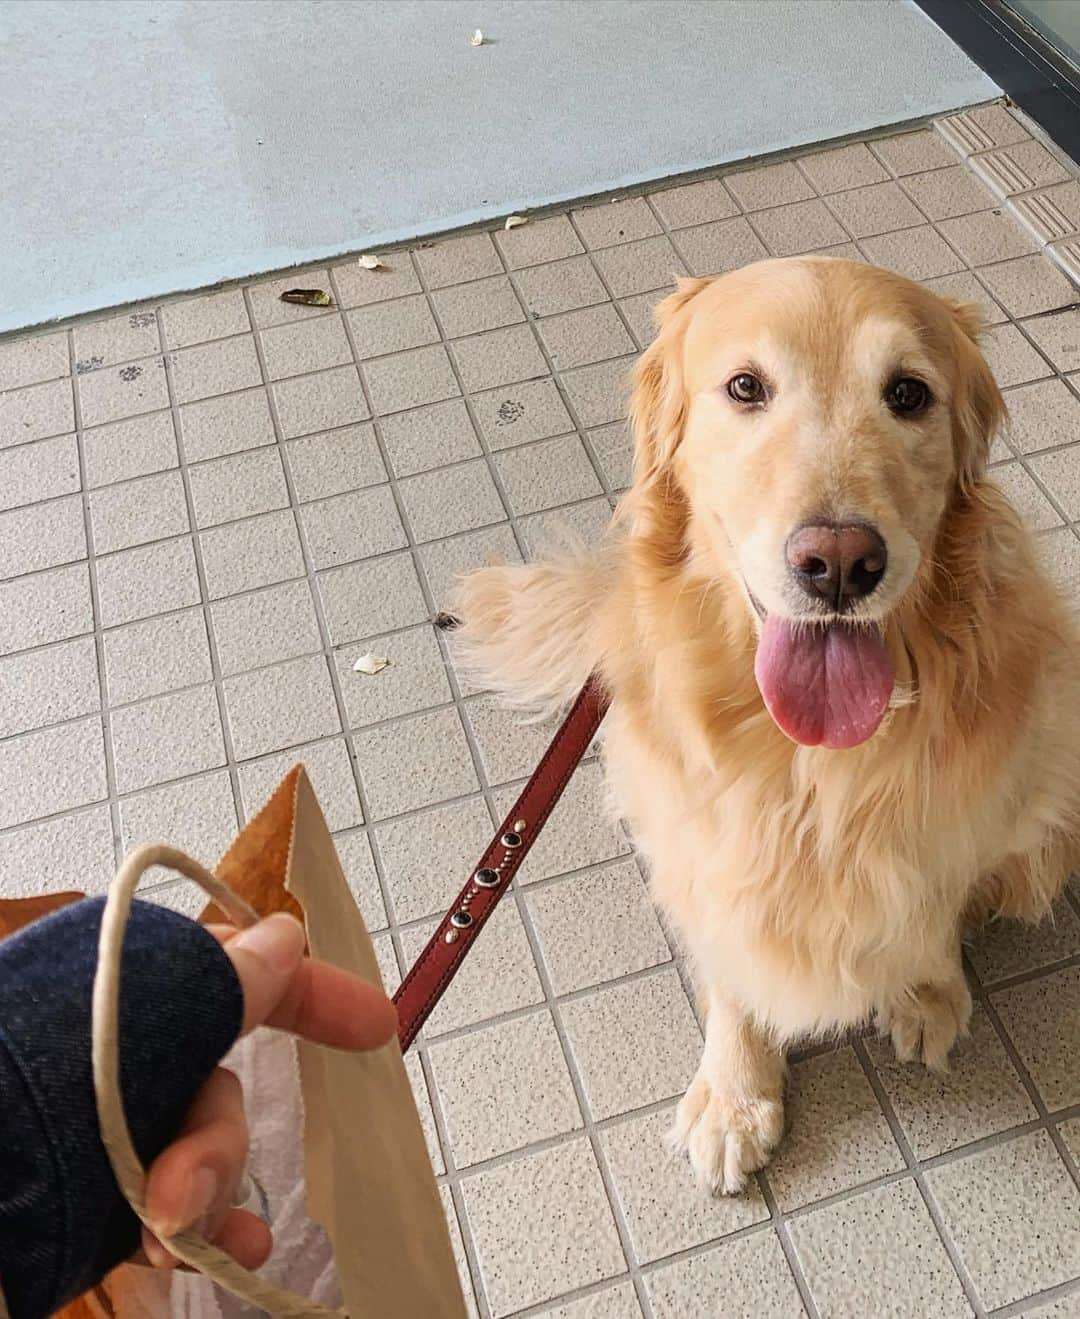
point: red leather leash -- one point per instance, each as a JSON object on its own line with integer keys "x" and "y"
{"x": 437, "y": 965}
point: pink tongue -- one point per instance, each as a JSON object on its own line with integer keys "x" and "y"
{"x": 824, "y": 686}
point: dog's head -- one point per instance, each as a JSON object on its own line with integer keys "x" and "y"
{"x": 814, "y": 418}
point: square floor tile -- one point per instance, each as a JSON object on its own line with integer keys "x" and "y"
{"x": 557, "y": 530}
{"x": 837, "y": 1135}
{"x": 908, "y": 153}
{"x": 358, "y": 866}
{"x": 446, "y": 561}
{"x": 979, "y": 1096}
{"x": 52, "y": 770}
{"x": 693, "y": 203}
{"x": 640, "y": 312}
{"x": 900, "y": 1256}
{"x": 166, "y": 738}
{"x": 352, "y": 526}
{"x": 875, "y": 210}
{"x": 313, "y": 345}
{"x": 965, "y": 287}
{"x": 1059, "y": 472}
{"x": 579, "y": 832}
{"x": 945, "y": 193}
{"x": 852, "y": 166}
{"x": 1007, "y": 947}
{"x": 993, "y": 125}
{"x": 455, "y": 260}
{"x": 280, "y": 706}
{"x": 510, "y": 745}
{"x": 1012, "y": 1213}
{"x": 215, "y": 368}
{"x": 1028, "y": 285}
{"x": 158, "y": 655}
{"x": 42, "y": 536}
{"x": 421, "y": 879}
{"x": 618, "y": 1302}
{"x": 486, "y": 304}
{"x": 751, "y": 1274}
{"x": 634, "y": 1043}
{"x": 44, "y": 607}
{"x": 265, "y": 297}
{"x": 614, "y": 450}
{"x": 1012, "y": 359}
{"x": 149, "y": 580}
{"x": 568, "y": 914}
{"x": 800, "y": 227}
{"x": 414, "y": 680}
{"x": 36, "y": 412}
{"x": 240, "y": 486}
{"x": 515, "y": 414}
{"x": 1026, "y": 497}
{"x": 987, "y": 236}
{"x": 113, "y": 392}
{"x": 30, "y": 360}
{"x": 651, "y": 263}
{"x": 306, "y": 404}
{"x": 196, "y": 815}
{"x": 407, "y": 380}
{"x": 242, "y": 556}
{"x": 42, "y": 470}
{"x": 539, "y": 240}
{"x": 714, "y": 249}
{"x": 71, "y": 852}
{"x": 211, "y": 316}
{"x": 451, "y": 500}
{"x": 615, "y": 222}
{"x": 116, "y": 339}
{"x": 665, "y": 1210}
{"x": 498, "y": 976}
{"x": 265, "y": 627}
{"x": 772, "y": 185}
{"x": 429, "y": 437}
{"x": 334, "y": 462}
{"x": 600, "y": 393}
{"x": 330, "y": 770}
{"x": 415, "y": 763}
{"x": 1043, "y": 1020}
{"x": 591, "y": 334}
{"x": 151, "y": 508}
{"x": 1019, "y": 168}
{"x": 390, "y": 327}
{"x": 124, "y": 450}
{"x": 1058, "y": 335}
{"x": 560, "y": 286}
{"x": 365, "y": 599}
{"x": 515, "y": 1068}
{"x": 547, "y": 475}
{"x": 395, "y": 278}
{"x": 218, "y": 426}
{"x": 542, "y": 1226}
{"x": 48, "y": 685}
{"x": 499, "y": 357}
{"x": 919, "y": 253}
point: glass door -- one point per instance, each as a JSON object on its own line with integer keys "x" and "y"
{"x": 1057, "y": 20}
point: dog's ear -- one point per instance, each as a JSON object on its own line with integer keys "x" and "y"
{"x": 978, "y": 407}
{"x": 658, "y": 400}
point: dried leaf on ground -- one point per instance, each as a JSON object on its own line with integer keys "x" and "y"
{"x": 307, "y": 297}
{"x": 477, "y": 38}
{"x": 371, "y": 262}
{"x": 515, "y": 221}
{"x": 371, "y": 664}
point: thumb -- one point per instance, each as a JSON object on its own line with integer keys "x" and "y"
{"x": 267, "y": 957}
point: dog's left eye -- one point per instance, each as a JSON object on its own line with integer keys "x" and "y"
{"x": 907, "y": 395}
{"x": 746, "y": 388}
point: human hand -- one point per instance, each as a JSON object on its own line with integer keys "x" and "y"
{"x": 194, "y": 1181}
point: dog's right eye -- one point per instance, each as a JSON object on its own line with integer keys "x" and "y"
{"x": 746, "y": 388}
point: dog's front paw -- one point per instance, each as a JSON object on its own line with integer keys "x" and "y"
{"x": 926, "y": 1021}
{"x": 726, "y": 1136}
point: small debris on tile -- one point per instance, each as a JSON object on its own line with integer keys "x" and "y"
{"x": 515, "y": 221}
{"x": 446, "y": 622}
{"x": 371, "y": 664}
{"x": 477, "y": 38}
{"x": 371, "y": 262}
{"x": 307, "y": 297}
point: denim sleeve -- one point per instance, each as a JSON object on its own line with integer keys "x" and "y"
{"x": 63, "y": 1222}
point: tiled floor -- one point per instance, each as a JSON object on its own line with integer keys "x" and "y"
{"x": 214, "y": 506}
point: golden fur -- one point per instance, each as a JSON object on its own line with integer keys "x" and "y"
{"x": 813, "y": 888}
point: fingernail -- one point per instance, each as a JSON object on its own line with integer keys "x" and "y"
{"x": 278, "y": 941}
{"x": 198, "y": 1200}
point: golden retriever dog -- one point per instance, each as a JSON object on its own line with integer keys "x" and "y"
{"x": 845, "y": 720}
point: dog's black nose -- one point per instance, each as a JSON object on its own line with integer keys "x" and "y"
{"x": 837, "y": 564}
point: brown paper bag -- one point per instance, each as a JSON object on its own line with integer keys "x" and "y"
{"x": 368, "y": 1176}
